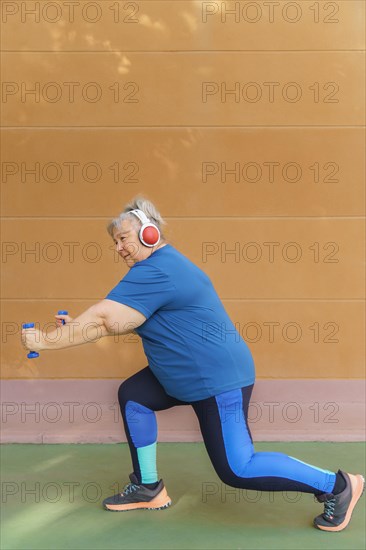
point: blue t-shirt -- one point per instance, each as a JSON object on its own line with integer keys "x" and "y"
{"x": 192, "y": 346}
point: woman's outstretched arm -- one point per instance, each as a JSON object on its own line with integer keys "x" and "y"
{"x": 106, "y": 318}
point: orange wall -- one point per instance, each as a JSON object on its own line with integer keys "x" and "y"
{"x": 245, "y": 131}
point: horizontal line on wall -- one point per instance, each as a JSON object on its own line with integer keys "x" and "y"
{"x": 49, "y": 299}
{"x": 177, "y": 51}
{"x": 186, "y": 1}
{"x": 182, "y": 126}
{"x": 360, "y": 300}
{"x": 190, "y": 218}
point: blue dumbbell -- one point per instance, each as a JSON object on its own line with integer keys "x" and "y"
{"x": 31, "y": 354}
{"x": 63, "y": 312}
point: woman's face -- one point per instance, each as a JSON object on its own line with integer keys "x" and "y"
{"x": 128, "y": 245}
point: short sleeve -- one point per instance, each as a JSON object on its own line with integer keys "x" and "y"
{"x": 145, "y": 288}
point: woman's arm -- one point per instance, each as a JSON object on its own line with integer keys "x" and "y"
{"x": 106, "y": 318}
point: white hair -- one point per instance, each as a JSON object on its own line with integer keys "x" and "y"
{"x": 137, "y": 203}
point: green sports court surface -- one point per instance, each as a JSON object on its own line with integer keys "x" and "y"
{"x": 51, "y": 499}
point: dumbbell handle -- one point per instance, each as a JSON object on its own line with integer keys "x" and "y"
{"x": 31, "y": 354}
{"x": 63, "y": 312}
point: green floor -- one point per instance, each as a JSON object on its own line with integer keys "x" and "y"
{"x": 51, "y": 498}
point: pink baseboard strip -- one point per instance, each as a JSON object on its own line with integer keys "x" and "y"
{"x": 87, "y": 411}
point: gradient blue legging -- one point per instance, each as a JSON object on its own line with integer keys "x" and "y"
{"x": 227, "y": 437}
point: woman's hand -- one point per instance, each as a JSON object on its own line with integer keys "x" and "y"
{"x": 33, "y": 339}
{"x": 59, "y": 319}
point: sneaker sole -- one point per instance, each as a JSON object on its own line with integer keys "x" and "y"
{"x": 160, "y": 502}
{"x": 358, "y": 487}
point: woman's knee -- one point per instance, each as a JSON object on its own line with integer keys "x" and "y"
{"x": 137, "y": 387}
{"x": 125, "y": 391}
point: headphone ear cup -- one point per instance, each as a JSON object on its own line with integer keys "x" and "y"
{"x": 149, "y": 234}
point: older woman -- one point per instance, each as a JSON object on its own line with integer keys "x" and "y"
{"x": 172, "y": 304}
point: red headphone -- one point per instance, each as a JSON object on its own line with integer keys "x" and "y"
{"x": 149, "y": 233}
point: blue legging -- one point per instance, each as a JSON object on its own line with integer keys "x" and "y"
{"x": 226, "y": 434}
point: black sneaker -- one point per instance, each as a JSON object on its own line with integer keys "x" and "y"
{"x": 338, "y": 508}
{"x": 138, "y": 497}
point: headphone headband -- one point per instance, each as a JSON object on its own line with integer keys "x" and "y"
{"x": 140, "y": 215}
